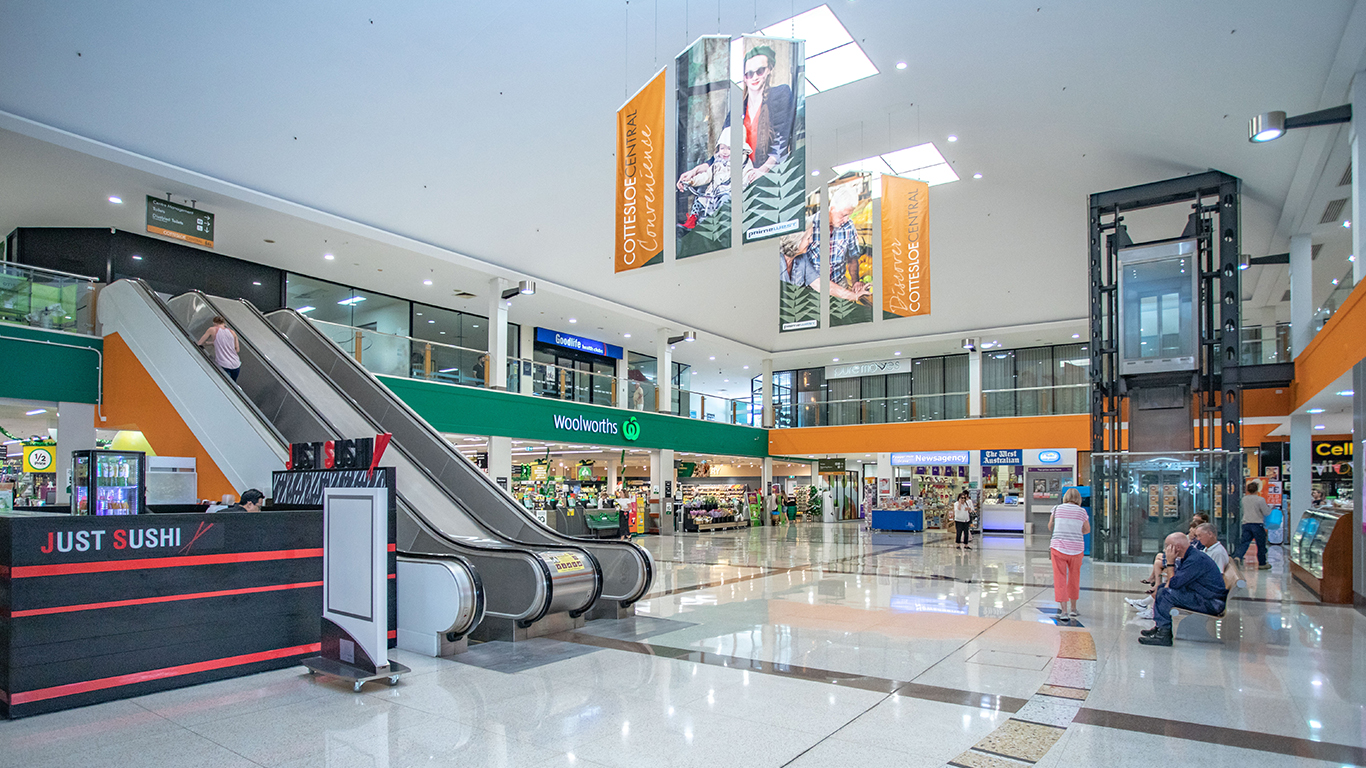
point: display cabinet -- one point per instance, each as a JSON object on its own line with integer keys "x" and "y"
{"x": 1321, "y": 553}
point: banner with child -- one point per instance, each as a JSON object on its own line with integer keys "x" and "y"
{"x": 703, "y": 191}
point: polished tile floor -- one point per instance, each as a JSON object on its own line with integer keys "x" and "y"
{"x": 810, "y": 645}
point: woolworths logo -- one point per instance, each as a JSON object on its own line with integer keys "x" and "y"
{"x": 630, "y": 429}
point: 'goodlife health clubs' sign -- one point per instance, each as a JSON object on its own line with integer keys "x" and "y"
{"x": 547, "y": 336}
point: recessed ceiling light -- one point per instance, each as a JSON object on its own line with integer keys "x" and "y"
{"x": 305, "y": 310}
{"x": 837, "y": 359}
{"x": 832, "y": 57}
{"x": 476, "y": 325}
{"x": 976, "y": 175}
{"x": 116, "y": 200}
{"x": 1315, "y": 410}
{"x": 1319, "y": 426}
{"x": 1076, "y": 335}
{"x": 255, "y": 282}
{"x": 1347, "y": 393}
{"x": 137, "y": 257}
{"x": 896, "y": 353}
{"x": 1347, "y": 224}
{"x": 627, "y": 335}
{"x": 726, "y": 380}
{"x": 426, "y": 282}
{"x": 36, "y": 411}
{"x": 922, "y": 162}
{"x": 443, "y": 333}
{"x": 902, "y": 65}
{"x": 747, "y": 367}
{"x": 328, "y": 256}
{"x": 572, "y": 320}
{"x": 431, "y": 322}
{"x": 713, "y": 357}
{"x": 816, "y": 172}
{"x": 952, "y": 137}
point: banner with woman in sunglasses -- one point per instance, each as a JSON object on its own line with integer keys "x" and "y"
{"x": 773, "y": 120}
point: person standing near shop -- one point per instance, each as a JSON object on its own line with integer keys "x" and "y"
{"x": 1069, "y": 524}
{"x": 1255, "y": 511}
{"x": 225, "y": 349}
{"x": 962, "y": 521}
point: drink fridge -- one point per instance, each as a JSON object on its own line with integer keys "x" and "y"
{"x": 108, "y": 482}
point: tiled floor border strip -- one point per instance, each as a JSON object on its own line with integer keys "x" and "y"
{"x": 812, "y": 674}
{"x": 1342, "y": 754}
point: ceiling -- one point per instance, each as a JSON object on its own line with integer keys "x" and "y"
{"x": 462, "y": 142}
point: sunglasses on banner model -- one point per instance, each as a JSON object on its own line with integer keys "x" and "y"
{"x": 753, "y": 73}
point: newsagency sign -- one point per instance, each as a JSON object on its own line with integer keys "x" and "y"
{"x": 629, "y": 428}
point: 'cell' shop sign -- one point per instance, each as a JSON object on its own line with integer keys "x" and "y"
{"x": 629, "y": 429}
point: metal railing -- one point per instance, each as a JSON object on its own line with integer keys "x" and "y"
{"x": 46, "y": 298}
{"x": 407, "y": 357}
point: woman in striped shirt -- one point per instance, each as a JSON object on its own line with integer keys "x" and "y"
{"x": 1069, "y": 523}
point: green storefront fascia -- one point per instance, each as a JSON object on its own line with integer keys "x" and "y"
{"x": 53, "y": 366}
{"x": 473, "y": 411}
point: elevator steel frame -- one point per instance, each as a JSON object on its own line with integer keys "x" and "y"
{"x": 1214, "y": 198}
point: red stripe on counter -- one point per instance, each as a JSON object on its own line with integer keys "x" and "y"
{"x": 164, "y": 599}
{"x": 4, "y": 571}
{"x": 70, "y": 569}
{"x": 4, "y": 696}
{"x": 70, "y": 689}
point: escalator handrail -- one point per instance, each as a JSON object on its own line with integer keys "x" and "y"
{"x": 506, "y": 541}
{"x": 422, "y": 424}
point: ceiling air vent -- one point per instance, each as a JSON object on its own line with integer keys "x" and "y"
{"x": 1314, "y": 250}
{"x": 1333, "y": 211}
{"x": 1286, "y": 297}
{"x": 463, "y": 295}
{"x": 1346, "y": 176}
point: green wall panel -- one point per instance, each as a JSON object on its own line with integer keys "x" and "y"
{"x": 472, "y": 411}
{"x": 43, "y": 365}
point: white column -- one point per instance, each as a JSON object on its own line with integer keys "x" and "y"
{"x": 975, "y": 384}
{"x": 1358, "y": 108}
{"x": 500, "y": 461}
{"x": 885, "y": 471}
{"x": 1301, "y": 293}
{"x": 975, "y": 468}
{"x": 1301, "y": 456}
{"x": 1358, "y": 486}
{"x": 611, "y": 477}
{"x": 766, "y": 475}
{"x": 497, "y": 372}
{"x": 623, "y": 392}
{"x": 664, "y": 371}
{"x": 662, "y": 483}
{"x": 75, "y": 432}
{"x": 766, "y": 393}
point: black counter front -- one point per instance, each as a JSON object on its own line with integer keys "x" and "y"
{"x": 100, "y": 608}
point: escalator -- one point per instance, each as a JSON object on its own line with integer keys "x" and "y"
{"x": 627, "y": 568}
{"x": 277, "y": 402}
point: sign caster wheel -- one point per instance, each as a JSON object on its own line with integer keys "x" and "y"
{"x": 357, "y": 686}
{"x": 393, "y": 680}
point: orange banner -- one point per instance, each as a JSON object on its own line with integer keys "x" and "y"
{"x": 905, "y": 247}
{"x": 640, "y": 178}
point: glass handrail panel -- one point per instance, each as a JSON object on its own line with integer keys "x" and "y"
{"x": 43, "y": 298}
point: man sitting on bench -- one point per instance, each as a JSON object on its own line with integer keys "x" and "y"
{"x": 1207, "y": 540}
{"x": 1197, "y": 585}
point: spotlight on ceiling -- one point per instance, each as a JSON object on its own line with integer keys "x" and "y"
{"x": 686, "y": 336}
{"x": 970, "y": 344}
{"x": 1270, "y": 126}
{"x": 524, "y": 288}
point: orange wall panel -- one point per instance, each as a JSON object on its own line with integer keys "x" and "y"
{"x": 1267, "y": 402}
{"x": 1339, "y": 346}
{"x": 1071, "y": 431}
{"x": 132, "y": 400}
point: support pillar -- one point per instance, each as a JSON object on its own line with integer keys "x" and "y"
{"x": 1358, "y": 484}
{"x": 975, "y": 384}
{"x": 496, "y": 372}
{"x": 75, "y": 432}
{"x": 663, "y": 483}
{"x": 886, "y": 472}
{"x": 1301, "y": 293}
{"x": 766, "y": 393}
{"x": 500, "y": 461}
{"x": 1301, "y": 479}
{"x": 1358, "y": 96}
{"x": 664, "y": 372}
{"x": 612, "y": 477}
{"x": 621, "y": 396}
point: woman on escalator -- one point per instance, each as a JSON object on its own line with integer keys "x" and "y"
{"x": 225, "y": 347}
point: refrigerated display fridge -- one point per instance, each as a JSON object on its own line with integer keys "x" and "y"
{"x": 108, "y": 482}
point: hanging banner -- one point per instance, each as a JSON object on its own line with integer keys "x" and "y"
{"x": 640, "y": 178}
{"x": 799, "y": 272}
{"x": 703, "y": 206}
{"x": 905, "y": 247}
{"x": 851, "y": 250}
{"x": 773, "y": 125}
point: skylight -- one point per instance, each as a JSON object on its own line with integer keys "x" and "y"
{"x": 832, "y": 57}
{"x": 922, "y": 162}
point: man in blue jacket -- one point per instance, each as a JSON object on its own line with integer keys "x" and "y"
{"x": 1197, "y": 585}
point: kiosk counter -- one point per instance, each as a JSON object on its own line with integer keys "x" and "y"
{"x": 100, "y": 608}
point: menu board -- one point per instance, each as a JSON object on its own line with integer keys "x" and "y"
{"x": 1170, "y": 501}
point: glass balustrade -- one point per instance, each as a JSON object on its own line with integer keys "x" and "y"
{"x": 43, "y": 298}
{"x": 1266, "y": 344}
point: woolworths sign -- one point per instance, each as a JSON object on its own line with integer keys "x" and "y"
{"x": 629, "y": 429}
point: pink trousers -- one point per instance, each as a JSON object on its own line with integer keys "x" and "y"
{"x": 1066, "y": 576}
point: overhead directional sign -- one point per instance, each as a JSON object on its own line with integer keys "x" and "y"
{"x": 170, "y": 220}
